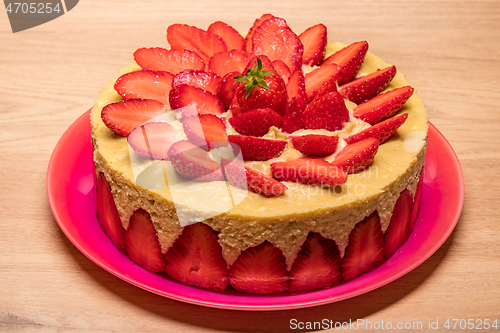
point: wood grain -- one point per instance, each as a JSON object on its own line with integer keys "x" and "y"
{"x": 51, "y": 74}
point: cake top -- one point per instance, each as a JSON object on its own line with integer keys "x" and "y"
{"x": 263, "y": 113}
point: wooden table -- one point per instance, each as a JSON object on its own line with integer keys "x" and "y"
{"x": 51, "y": 74}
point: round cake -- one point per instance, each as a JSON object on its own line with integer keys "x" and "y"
{"x": 272, "y": 163}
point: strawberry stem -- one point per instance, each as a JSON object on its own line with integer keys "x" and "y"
{"x": 254, "y": 77}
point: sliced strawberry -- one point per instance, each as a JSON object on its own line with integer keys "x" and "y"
{"x": 145, "y": 85}
{"x": 327, "y": 112}
{"x": 296, "y": 88}
{"x": 256, "y": 122}
{"x": 200, "y": 79}
{"x": 309, "y": 171}
{"x": 275, "y": 39}
{"x": 282, "y": 70}
{"x": 365, "y": 249}
{"x": 226, "y": 88}
{"x": 349, "y": 59}
{"x": 123, "y": 117}
{"x": 244, "y": 177}
{"x": 193, "y": 162}
{"x": 400, "y": 226}
{"x": 152, "y": 140}
{"x": 196, "y": 258}
{"x": 383, "y": 105}
{"x": 314, "y": 41}
{"x": 172, "y": 61}
{"x": 141, "y": 242}
{"x": 329, "y": 86}
{"x": 207, "y": 131}
{"x": 204, "y": 43}
{"x": 260, "y": 270}
{"x": 228, "y": 61}
{"x": 258, "y": 149}
{"x": 195, "y": 100}
{"x": 317, "y": 265}
{"x": 357, "y": 156}
{"x": 315, "y": 144}
{"x": 107, "y": 213}
{"x": 317, "y": 78}
{"x": 365, "y": 87}
{"x": 382, "y": 131}
{"x": 293, "y": 118}
{"x": 235, "y": 107}
{"x": 233, "y": 40}
{"x": 251, "y": 32}
{"x": 418, "y": 196}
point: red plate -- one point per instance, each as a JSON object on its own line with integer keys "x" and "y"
{"x": 70, "y": 188}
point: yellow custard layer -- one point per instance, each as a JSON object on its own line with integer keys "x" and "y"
{"x": 286, "y": 220}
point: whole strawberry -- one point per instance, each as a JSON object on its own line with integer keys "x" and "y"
{"x": 261, "y": 89}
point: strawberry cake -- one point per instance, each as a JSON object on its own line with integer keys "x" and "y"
{"x": 272, "y": 163}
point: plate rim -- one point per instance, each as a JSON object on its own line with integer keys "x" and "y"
{"x": 82, "y": 125}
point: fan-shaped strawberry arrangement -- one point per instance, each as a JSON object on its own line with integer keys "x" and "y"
{"x": 218, "y": 84}
{"x": 252, "y": 84}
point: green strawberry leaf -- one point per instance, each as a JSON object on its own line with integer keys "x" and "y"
{"x": 254, "y": 77}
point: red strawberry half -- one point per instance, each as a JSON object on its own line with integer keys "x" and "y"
{"x": 317, "y": 78}
{"x": 145, "y": 85}
{"x": 200, "y": 79}
{"x": 329, "y": 86}
{"x": 195, "y": 100}
{"x": 400, "y": 226}
{"x": 141, "y": 242}
{"x": 234, "y": 106}
{"x": 309, "y": 171}
{"x": 349, "y": 59}
{"x": 193, "y": 162}
{"x": 241, "y": 176}
{"x": 123, "y": 117}
{"x": 257, "y": 149}
{"x": 233, "y": 40}
{"x": 196, "y": 258}
{"x": 228, "y": 61}
{"x": 383, "y": 105}
{"x": 251, "y": 32}
{"x": 226, "y": 88}
{"x": 152, "y": 140}
{"x": 207, "y": 131}
{"x": 317, "y": 265}
{"x": 204, "y": 43}
{"x": 356, "y": 157}
{"x": 296, "y": 89}
{"x": 275, "y": 39}
{"x": 293, "y": 118}
{"x": 365, "y": 250}
{"x": 107, "y": 213}
{"x": 260, "y": 270}
{"x": 365, "y": 87}
{"x": 382, "y": 131}
{"x": 282, "y": 70}
{"x": 326, "y": 112}
{"x": 314, "y": 41}
{"x": 315, "y": 144}
{"x": 172, "y": 61}
{"x": 256, "y": 122}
